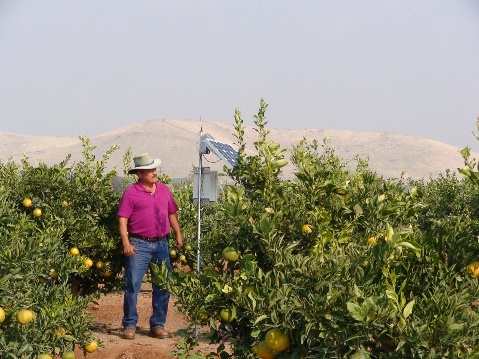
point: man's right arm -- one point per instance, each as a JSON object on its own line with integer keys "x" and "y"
{"x": 128, "y": 248}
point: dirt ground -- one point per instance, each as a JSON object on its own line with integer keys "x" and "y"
{"x": 108, "y": 313}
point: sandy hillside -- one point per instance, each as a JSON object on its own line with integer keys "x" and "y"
{"x": 176, "y": 143}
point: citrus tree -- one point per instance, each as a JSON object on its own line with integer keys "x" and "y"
{"x": 335, "y": 262}
{"x": 59, "y": 251}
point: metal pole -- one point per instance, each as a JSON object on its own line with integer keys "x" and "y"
{"x": 200, "y": 185}
{"x": 200, "y": 181}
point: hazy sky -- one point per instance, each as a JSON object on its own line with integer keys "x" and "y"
{"x": 70, "y": 68}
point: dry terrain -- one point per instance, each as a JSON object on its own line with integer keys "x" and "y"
{"x": 108, "y": 314}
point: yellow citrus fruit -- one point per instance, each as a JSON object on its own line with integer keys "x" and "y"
{"x": 99, "y": 265}
{"x": 230, "y": 254}
{"x": 372, "y": 241}
{"x": 27, "y": 202}
{"x": 202, "y": 316}
{"x": 91, "y": 347}
{"x": 276, "y": 340}
{"x": 262, "y": 350}
{"x": 60, "y": 332}
{"x": 473, "y": 266}
{"x": 88, "y": 262}
{"x": 68, "y": 355}
{"x": 182, "y": 258}
{"x": 107, "y": 273}
{"x": 65, "y": 203}
{"x": 37, "y": 212}
{"x": 227, "y": 315}
{"x": 24, "y": 316}
{"x": 41, "y": 280}
{"x": 173, "y": 253}
{"x": 44, "y": 356}
{"x": 187, "y": 247}
{"x": 53, "y": 273}
{"x": 306, "y": 228}
{"x": 2, "y": 315}
{"x": 74, "y": 251}
{"x": 476, "y": 273}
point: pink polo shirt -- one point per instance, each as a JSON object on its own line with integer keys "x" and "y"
{"x": 147, "y": 213}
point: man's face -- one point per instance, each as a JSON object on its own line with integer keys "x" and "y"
{"x": 148, "y": 176}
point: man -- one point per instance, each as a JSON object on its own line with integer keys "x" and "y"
{"x": 146, "y": 213}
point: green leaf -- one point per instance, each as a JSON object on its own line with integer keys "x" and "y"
{"x": 355, "y": 311}
{"x": 392, "y": 295}
{"x": 408, "y": 308}
{"x": 456, "y": 326}
{"x": 411, "y": 245}
{"x": 260, "y": 318}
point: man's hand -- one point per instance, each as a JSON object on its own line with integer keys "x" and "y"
{"x": 179, "y": 242}
{"x": 173, "y": 217}
{"x": 129, "y": 249}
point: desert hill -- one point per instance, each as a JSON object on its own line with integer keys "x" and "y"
{"x": 176, "y": 143}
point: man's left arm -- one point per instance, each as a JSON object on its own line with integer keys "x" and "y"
{"x": 175, "y": 225}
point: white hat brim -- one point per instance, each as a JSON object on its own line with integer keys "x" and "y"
{"x": 156, "y": 163}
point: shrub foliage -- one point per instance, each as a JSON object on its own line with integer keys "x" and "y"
{"x": 334, "y": 262}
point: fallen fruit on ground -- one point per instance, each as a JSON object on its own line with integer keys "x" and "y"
{"x": 91, "y": 347}
{"x": 68, "y": 355}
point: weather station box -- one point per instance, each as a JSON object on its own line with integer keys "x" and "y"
{"x": 208, "y": 184}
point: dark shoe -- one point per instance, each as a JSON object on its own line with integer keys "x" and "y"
{"x": 159, "y": 333}
{"x": 128, "y": 333}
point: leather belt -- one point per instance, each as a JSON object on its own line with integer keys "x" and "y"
{"x": 148, "y": 239}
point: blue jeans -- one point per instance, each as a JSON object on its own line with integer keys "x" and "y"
{"x": 135, "y": 269}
